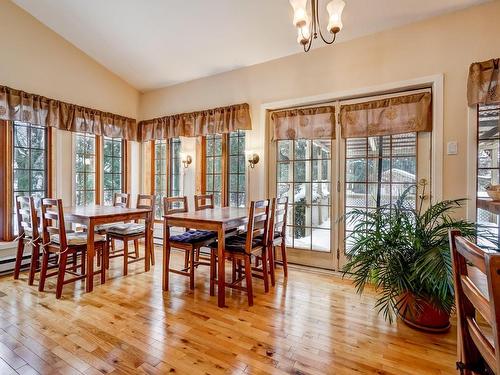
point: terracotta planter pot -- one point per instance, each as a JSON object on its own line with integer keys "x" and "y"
{"x": 429, "y": 319}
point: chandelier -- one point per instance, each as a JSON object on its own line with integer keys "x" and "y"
{"x": 308, "y": 25}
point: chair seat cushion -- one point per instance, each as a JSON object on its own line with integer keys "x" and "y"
{"x": 126, "y": 229}
{"x": 105, "y": 227}
{"x": 78, "y": 238}
{"x": 237, "y": 243}
{"x": 193, "y": 236}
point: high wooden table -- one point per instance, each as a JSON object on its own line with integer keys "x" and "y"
{"x": 90, "y": 216}
{"x": 218, "y": 220}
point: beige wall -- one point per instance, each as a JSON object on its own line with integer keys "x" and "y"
{"x": 35, "y": 59}
{"x": 446, "y": 44}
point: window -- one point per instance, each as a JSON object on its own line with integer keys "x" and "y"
{"x": 225, "y": 168}
{"x": 304, "y": 175}
{"x": 85, "y": 167}
{"x": 378, "y": 170}
{"x": 113, "y": 168}
{"x": 175, "y": 167}
{"x": 213, "y": 167}
{"x": 160, "y": 175}
{"x": 29, "y": 162}
{"x": 488, "y": 167}
{"x": 237, "y": 187}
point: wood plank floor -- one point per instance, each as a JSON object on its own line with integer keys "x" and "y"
{"x": 313, "y": 323}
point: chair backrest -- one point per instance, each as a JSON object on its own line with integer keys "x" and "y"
{"x": 53, "y": 221}
{"x": 121, "y": 200}
{"x": 146, "y": 201}
{"x": 26, "y": 216}
{"x": 279, "y": 212}
{"x": 203, "y": 202}
{"x": 172, "y": 205}
{"x": 258, "y": 222}
{"x": 476, "y": 347}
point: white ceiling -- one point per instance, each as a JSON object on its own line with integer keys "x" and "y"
{"x": 157, "y": 43}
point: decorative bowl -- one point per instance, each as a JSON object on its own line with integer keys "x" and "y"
{"x": 494, "y": 192}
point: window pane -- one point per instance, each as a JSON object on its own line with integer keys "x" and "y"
{"x": 160, "y": 173}
{"x": 175, "y": 167}
{"x": 298, "y": 164}
{"x": 378, "y": 170}
{"x": 488, "y": 167}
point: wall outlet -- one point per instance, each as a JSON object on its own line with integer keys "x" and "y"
{"x": 452, "y": 148}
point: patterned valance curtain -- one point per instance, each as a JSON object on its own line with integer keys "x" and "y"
{"x": 211, "y": 121}
{"x": 16, "y": 105}
{"x": 396, "y": 115}
{"x": 483, "y": 85}
{"x": 306, "y": 123}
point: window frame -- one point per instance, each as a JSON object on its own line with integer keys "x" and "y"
{"x": 474, "y": 206}
{"x": 168, "y": 168}
{"x": 97, "y": 168}
{"x": 225, "y": 170}
{"x": 7, "y": 175}
{"x": 124, "y": 163}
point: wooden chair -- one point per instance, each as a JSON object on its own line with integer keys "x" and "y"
{"x": 57, "y": 241}
{"x": 277, "y": 226}
{"x": 203, "y": 202}
{"x": 28, "y": 231}
{"x": 190, "y": 241}
{"x": 133, "y": 232}
{"x": 477, "y": 348}
{"x": 276, "y": 237}
{"x": 240, "y": 249}
{"x": 119, "y": 200}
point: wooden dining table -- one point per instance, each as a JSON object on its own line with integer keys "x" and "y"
{"x": 219, "y": 220}
{"x": 94, "y": 215}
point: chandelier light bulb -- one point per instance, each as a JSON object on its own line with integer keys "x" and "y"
{"x": 300, "y": 17}
{"x": 303, "y": 34}
{"x": 335, "y": 8}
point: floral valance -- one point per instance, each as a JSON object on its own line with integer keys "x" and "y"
{"x": 211, "y": 121}
{"x": 306, "y": 123}
{"x": 16, "y": 105}
{"x": 483, "y": 85}
{"x": 396, "y": 115}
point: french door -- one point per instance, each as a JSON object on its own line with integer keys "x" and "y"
{"x": 326, "y": 179}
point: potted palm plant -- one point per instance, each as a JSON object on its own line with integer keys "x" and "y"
{"x": 403, "y": 251}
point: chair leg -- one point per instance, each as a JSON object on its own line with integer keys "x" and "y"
{"x": 136, "y": 248}
{"x": 84, "y": 261}
{"x": 103, "y": 262}
{"x": 43, "y": 271}
{"x": 186, "y": 259}
{"x": 152, "y": 251}
{"x": 60, "y": 274}
{"x": 283, "y": 258}
{"x": 265, "y": 271}
{"x": 19, "y": 258}
{"x": 235, "y": 266}
{"x": 191, "y": 268}
{"x": 125, "y": 257}
{"x": 35, "y": 255}
{"x": 248, "y": 276}
{"x": 213, "y": 271}
{"x": 270, "y": 254}
{"x": 167, "y": 264}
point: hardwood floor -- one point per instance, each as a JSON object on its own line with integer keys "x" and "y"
{"x": 311, "y": 324}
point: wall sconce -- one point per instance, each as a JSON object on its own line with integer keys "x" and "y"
{"x": 186, "y": 161}
{"x": 252, "y": 160}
